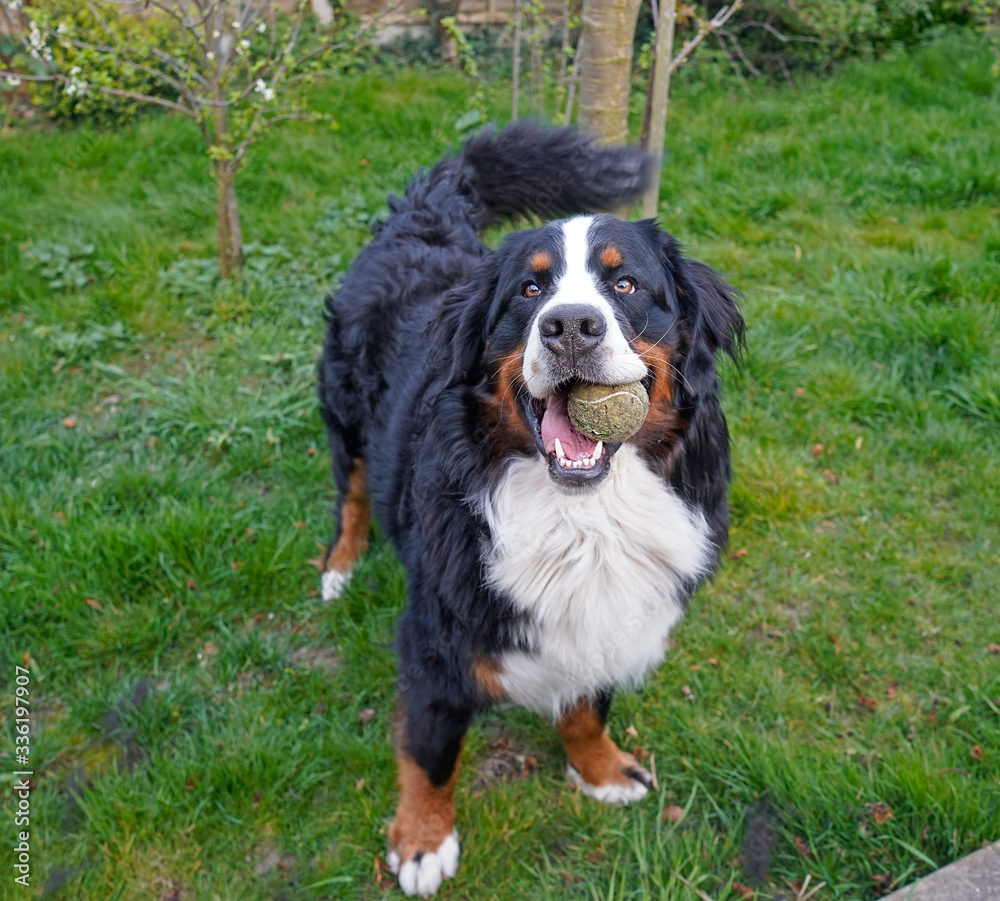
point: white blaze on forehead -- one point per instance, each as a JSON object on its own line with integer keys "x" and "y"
{"x": 578, "y": 285}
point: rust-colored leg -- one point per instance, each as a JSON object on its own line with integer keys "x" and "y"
{"x": 354, "y": 521}
{"x": 423, "y": 843}
{"x": 601, "y": 769}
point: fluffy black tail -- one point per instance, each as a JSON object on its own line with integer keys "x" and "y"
{"x": 526, "y": 169}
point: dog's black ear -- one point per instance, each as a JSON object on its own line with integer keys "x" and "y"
{"x": 466, "y": 322}
{"x": 711, "y": 304}
{"x": 709, "y": 314}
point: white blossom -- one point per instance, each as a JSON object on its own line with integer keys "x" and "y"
{"x": 262, "y": 88}
{"x": 262, "y": 28}
{"x": 77, "y": 85}
{"x": 36, "y": 43}
{"x": 216, "y": 34}
{"x": 62, "y": 28}
{"x": 236, "y": 25}
{"x": 13, "y": 81}
{"x": 210, "y": 55}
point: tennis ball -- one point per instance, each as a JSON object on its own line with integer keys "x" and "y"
{"x": 608, "y": 412}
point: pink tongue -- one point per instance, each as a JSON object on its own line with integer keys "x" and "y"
{"x": 556, "y": 424}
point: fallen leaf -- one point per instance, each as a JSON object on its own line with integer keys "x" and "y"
{"x": 883, "y": 881}
{"x": 880, "y": 812}
{"x": 192, "y": 585}
{"x": 712, "y": 661}
{"x": 832, "y": 478}
{"x": 890, "y": 692}
{"x": 207, "y": 653}
{"x": 97, "y": 605}
{"x": 632, "y": 731}
{"x": 70, "y": 422}
{"x": 744, "y": 891}
{"x": 818, "y": 449}
{"x": 360, "y": 784}
{"x": 994, "y": 648}
{"x": 238, "y": 565}
{"x": 738, "y": 555}
{"x": 803, "y": 847}
{"x": 366, "y": 716}
{"x": 976, "y": 753}
{"x": 867, "y": 702}
{"x": 673, "y": 814}
{"x": 800, "y": 392}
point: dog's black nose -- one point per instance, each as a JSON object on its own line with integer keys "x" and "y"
{"x": 572, "y": 330}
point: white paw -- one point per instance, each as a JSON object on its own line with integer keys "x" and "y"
{"x": 334, "y": 581}
{"x": 424, "y": 874}
{"x": 613, "y": 793}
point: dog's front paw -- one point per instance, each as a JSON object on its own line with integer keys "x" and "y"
{"x": 334, "y": 582}
{"x": 629, "y": 782}
{"x": 421, "y": 872}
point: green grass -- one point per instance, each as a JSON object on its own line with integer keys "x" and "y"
{"x": 197, "y": 704}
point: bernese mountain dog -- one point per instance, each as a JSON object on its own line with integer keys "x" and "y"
{"x": 544, "y": 568}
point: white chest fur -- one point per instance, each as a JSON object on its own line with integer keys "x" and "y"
{"x": 601, "y": 575}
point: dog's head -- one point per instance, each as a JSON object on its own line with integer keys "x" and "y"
{"x": 597, "y": 300}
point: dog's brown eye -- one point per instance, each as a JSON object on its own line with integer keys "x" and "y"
{"x": 532, "y": 290}
{"x": 624, "y": 286}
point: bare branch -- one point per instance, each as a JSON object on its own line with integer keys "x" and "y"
{"x": 725, "y": 36}
{"x": 784, "y": 38}
{"x": 120, "y": 58}
{"x": 117, "y": 92}
{"x": 20, "y": 76}
{"x": 706, "y": 28}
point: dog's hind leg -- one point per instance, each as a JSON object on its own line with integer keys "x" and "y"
{"x": 353, "y": 514}
{"x": 423, "y": 842}
{"x": 596, "y": 764}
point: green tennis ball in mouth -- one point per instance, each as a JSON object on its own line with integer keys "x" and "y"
{"x": 608, "y": 412}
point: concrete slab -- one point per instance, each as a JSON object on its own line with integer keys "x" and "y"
{"x": 976, "y": 877}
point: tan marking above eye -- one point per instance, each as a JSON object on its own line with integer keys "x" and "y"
{"x": 532, "y": 290}
{"x": 611, "y": 257}
{"x": 625, "y": 286}
{"x": 540, "y": 261}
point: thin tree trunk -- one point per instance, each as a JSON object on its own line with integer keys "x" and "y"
{"x": 563, "y": 61}
{"x": 516, "y": 89}
{"x": 537, "y": 79}
{"x": 227, "y": 213}
{"x": 573, "y": 79}
{"x": 438, "y": 11}
{"x": 608, "y": 33}
{"x": 660, "y": 93}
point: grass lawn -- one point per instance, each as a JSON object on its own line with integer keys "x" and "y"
{"x": 207, "y": 728}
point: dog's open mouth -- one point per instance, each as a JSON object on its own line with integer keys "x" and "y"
{"x": 574, "y": 458}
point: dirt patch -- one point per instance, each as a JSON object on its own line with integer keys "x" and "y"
{"x": 508, "y": 758}
{"x": 313, "y": 657}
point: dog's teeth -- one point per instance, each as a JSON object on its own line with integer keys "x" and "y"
{"x": 598, "y": 451}
{"x": 560, "y": 453}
